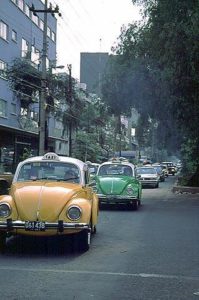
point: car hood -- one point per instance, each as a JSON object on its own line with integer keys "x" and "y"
{"x": 113, "y": 185}
{"x": 42, "y": 201}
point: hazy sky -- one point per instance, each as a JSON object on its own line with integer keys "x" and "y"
{"x": 90, "y": 26}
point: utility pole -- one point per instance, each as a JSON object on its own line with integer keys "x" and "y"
{"x": 42, "y": 104}
{"x": 70, "y": 104}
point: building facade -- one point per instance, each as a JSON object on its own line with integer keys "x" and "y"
{"x": 92, "y": 68}
{"x": 21, "y": 36}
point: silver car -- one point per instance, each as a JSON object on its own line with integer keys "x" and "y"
{"x": 148, "y": 176}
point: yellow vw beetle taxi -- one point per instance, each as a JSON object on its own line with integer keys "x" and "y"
{"x": 50, "y": 195}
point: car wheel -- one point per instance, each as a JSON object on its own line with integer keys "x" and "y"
{"x": 135, "y": 205}
{"x": 81, "y": 241}
{"x": 93, "y": 229}
{"x": 84, "y": 240}
{"x": 2, "y": 242}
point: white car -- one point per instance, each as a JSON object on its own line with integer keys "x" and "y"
{"x": 148, "y": 176}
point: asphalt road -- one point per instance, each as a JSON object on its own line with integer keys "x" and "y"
{"x": 149, "y": 254}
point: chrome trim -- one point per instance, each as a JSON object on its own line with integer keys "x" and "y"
{"x": 112, "y": 197}
{"x": 76, "y": 206}
{"x": 21, "y": 225}
{"x": 10, "y": 208}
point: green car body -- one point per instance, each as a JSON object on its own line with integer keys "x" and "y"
{"x": 116, "y": 184}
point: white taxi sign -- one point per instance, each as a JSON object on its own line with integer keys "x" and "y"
{"x": 50, "y": 156}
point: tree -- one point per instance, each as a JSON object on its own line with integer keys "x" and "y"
{"x": 25, "y": 81}
{"x": 163, "y": 58}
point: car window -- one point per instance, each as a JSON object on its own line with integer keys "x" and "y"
{"x": 115, "y": 169}
{"x": 49, "y": 171}
{"x": 145, "y": 171}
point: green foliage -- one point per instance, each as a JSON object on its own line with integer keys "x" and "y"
{"x": 25, "y": 81}
{"x": 92, "y": 140}
{"x": 159, "y": 64}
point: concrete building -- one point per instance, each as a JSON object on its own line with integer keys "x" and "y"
{"x": 21, "y": 36}
{"x": 92, "y": 67}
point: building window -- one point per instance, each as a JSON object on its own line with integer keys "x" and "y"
{"x": 14, "y": 1}
{"x": 3, "y": 108}
{"x": 41, "y": 24}
{"x": 27, "y": 10}
{"x": 35, "y": 19}
{"x": 48, "y": 31}
{"x": 13, "y": 108}
{"x": 21, "y": 4}
{"x": 53, "y": 36}
{"x": 14, "y": 35}
{"x": 35, "y": 55}
{"x": 24, "y": 48}
{"x": 3, "y": 30}
{"x": 3, "y": 68}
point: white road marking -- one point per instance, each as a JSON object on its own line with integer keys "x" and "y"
{"x": 141, "y": 275}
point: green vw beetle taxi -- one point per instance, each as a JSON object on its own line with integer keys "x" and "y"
{"x": 116, "y": 183}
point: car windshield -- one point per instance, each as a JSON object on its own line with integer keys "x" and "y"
{"x": 146, "y": 171}
{"x": 115, "y": 169}
{"x": 58, "y": 171}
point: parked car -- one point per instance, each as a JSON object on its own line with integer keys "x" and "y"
{"x": 171, "y": 168}
{"x": 115, "y": 183}
{"x": 148, "y": 176}
{"x": 50, "y": 196}
{"x": 5, "y": 182}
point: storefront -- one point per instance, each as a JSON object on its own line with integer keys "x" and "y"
{"x": 16, "y": 145}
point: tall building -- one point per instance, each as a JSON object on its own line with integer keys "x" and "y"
{"x": 92, "y": 67}
{"x": 21, "y": 36}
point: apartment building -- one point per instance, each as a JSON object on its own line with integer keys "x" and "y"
{"x": 21, "y": 36}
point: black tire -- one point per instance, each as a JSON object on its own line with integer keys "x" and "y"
{"x": 81, "y": 241}
{"x": 135, "y": 205}
{"x": 2, "y": 242}
{"x": 84, "y": 240}
{"x": 93, "y": 229}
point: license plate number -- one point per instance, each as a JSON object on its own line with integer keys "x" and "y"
{"x": 35, "y": 226}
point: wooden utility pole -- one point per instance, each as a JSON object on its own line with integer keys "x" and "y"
{"x": 70, "y": 105}
{"x": 42, "y": 104}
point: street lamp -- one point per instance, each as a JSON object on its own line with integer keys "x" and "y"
{"x": 56, "y": 67}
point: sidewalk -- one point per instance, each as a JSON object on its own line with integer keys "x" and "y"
{"x": 178, "y": 189}
{"x": 185, "y": 189}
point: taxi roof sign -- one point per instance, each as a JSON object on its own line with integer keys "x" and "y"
{"x": 50, "y": 156}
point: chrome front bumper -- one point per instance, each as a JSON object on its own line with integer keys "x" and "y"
{"x": 116, "y": 198}
{"x": 9, "y": 225}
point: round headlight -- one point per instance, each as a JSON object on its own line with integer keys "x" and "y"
{"x": 129, "y": 190}
{"x": 74, "y": 213}
{"x": 5, "y": 210}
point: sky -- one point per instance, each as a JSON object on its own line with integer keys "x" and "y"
{"x": 90, "y": 26}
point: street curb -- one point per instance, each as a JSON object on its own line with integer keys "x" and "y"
{"x": 185, "y": 189}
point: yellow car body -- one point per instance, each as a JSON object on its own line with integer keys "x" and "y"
{"x": 47, "y": 203}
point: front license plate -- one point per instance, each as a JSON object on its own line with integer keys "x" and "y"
{"x": 35, "y": 226}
